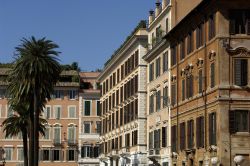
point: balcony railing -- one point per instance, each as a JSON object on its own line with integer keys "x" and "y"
{"x": 154, "y": 152}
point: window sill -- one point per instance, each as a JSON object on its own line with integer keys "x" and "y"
{"x": 245, "y": 133}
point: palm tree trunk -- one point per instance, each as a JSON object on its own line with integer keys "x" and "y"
{"x": 36, "y": 124}
{"x": 31, "y": 138}
{"x": 25, "y": 146}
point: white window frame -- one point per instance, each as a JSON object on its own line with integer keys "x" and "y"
{"x": 72, "y": 106}
{"x": 11, "y": 155}
{"x": 54, "y": 110}
{"x": 74, "y": 127}
{"x": 100, "y": 106}
{"x": 0, "y": 110}
{"x": 49, "y": 128}
{"x": 45, "y": 112}
{"x": 60, "y": 127}
{"x": 73, "y": 91}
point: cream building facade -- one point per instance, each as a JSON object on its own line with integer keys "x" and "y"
{"x": 123, "y": 101}
{"x": 158, "y": 85}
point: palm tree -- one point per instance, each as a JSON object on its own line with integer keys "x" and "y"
{"x": 35, "y": 72}
{"x": 19, "y": 123}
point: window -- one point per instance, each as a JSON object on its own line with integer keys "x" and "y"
{"x": 200, "y": 132}
{"x": 199, "y": 36}
{"x": 164, "y": 133}
{"x": 212, "y": 75}
{"x": 47, "y": 112}
{"x": 71, "y": 134}
{"x": 56, "y": 155}
{"x": 72, "y": 94}
{"x": 57, "y": 112}
{"x": 150, "y": 140}
{"x": 98, "y": 127}
{"x": 127, "y": 140}
{"x": 190, "y": 42}
{"x": 167, "y": 25}
{"x": 158, "y": 34}
{"x": 58, "y": 94}
{"x": 136, "y": 58}
{"x": 86, "y": 151}
{"x": 57, "y": 134}
{"x": 182, "y": 49}
{"x": 173, "y": 94}
{"x": 71, "y": 155}
{"x": 211, "y": 28}
{"x": 8, "y": 154}
{"x": 239, "y": 121}
{"x": 151, "y": 72}
{"x": 87, "y": 108}
{"x": 165, "y": 164}
{"x": 183, "y": 89}
{"x": 240, "y": 72}
{"x": 182, "y": 136}
{"x": 151, "y": 104}
{"x": 240, "y": 22}
{"x": 134, "y": 137}
{"x": 72, "y": 111}
{"x": 158, "y": 100}
{"x": 96, "y": 151}
{"x": 165, "y": 96}
{"x": 87, "y": 127}
{"x": 20, "y": 156}
{"x": 173, "y": 55}
{"x": 47, "y": 132}
{"x": 98, "y": 108}
{"x": 158, "y": 67}
{"x": 157, "y": 139}
{"x": 189, "y": 86}
{"x": 165, "y": 61}
{"x": 45, "y": 155}
{"x": 173, "y": 138}
{"x": 190, "y": 134}
{"x": 200, "y": 81}
{"x": 2, "y": 93}
{"x": 212, "y": 128}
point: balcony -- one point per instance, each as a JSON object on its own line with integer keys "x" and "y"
{"x": 125, "y": 152}
{"x": 115, "y": 153}
{"x": 57, "y": 142}
{"x": 154, "y": 153}
{"x": 87, "y": 136}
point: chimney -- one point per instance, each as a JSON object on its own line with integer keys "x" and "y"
{"x": 158, "y": 8}
{"x": 164, "y": 4}
{"x": 151, "y": 17}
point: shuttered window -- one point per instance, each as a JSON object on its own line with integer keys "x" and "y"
{"x": 183, "y": 89}
{"x": 190, "y": 134}
{"x": 241, "y": 72}
{"x": 174, "y": 138}
{"x": 158, "y": 100}
{"x": 200, "y": 81}
{"x": 200, "y": 132}
{"x": 189, "y": 86}
{"x": 127, "y": 140}
{"x": 165, "y": 96}
{"x": 150, "y": 140}
{"x": 151, "y": 72}
{"x": 212, "y": 75}
{"x": 157, "y": 139}
{"x": 173, "y": 94}
{"x": 239, "y": 121}
{"x": 212, "y": 128}
{"x": 165, "y": 61}
{"x": 199, "y": 36}
{"x": 173, "y": 56}
{"x": 182, "y": 136}
{"x": 239, "y": 22}
{"x": 164, "y": 136}
{"x": 121, "y": 116}
{"x": 158, "y": 67}
{"x": 151, "y": 104}
{"x": 211, "y": 28}
{"x": 182, "y": 49}
{"x": 190, "y": 42}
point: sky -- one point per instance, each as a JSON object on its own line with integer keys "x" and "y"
{"x": 87, "y": 31}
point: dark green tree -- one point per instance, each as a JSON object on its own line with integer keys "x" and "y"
{"x": 32, "y": 79}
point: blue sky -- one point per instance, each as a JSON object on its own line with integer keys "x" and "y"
{"x": 87, "y": 31}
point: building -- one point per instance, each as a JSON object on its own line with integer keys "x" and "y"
{"x": 68, "y": 141}
{"x": 123, "y": 100}
{"x": 210, "y": 117}
{"x": 158, "y": 85}
{"x": 89, "y": 119}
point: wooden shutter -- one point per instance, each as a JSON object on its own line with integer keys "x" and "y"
{"x": 173, "y": 138}
{"x": 163, "y": 136}
{"x": 182, "y": 136}
{"x": 212, "y": 75}
{"x": 232, "y": 128}
{"x": 198, "y": 132}
{"x": 190, "y": 86}
{"x": 202, "y": 131}
{"x": 200, "y": 81}
{"x": 244, "y": 73}
{"x": 183, "y": 89}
